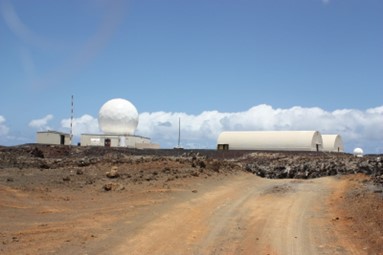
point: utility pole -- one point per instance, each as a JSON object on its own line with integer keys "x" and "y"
{"x": 71, "y": 122}
{"x": 179, "y": 132}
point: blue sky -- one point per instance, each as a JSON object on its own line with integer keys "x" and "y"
{"x": 217, "y": 64}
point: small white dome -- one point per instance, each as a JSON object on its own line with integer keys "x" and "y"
{"x": 358, "y": 152}
{"x": 118, "y": 116}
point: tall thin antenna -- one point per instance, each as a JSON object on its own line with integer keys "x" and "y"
{"x": 178, "y": 147}
{"x": 179, "y": 132}
{"x": 71, "y": 122}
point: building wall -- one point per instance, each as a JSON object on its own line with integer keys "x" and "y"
{"x": 51, "y": 137}
{"x": 117, "y": 141}
{"x": 98, "y": 140}
{"x": 89, "y": 140}
{"x": 332, "y": 143}
{"x": 271, "y": 140}
{"x": 147, "y": 146}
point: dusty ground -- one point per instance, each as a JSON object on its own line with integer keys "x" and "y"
{"x": 183, "y": 204}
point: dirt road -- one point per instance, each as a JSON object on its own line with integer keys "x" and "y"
{"x": 239, "y": 214}
{"x": 247, "y": 215}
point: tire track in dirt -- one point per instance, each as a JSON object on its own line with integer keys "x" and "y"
{"x": 188, "y": 226}
{"x": 239, "y": 214}
{"x": 244, "y": 215}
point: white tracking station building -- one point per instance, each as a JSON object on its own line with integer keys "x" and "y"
{"x": 118, "y": 119}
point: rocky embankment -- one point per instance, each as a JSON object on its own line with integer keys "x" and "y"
{"x": 306, "y": 166}
{"x": 274, "y": 165}
{"x": 53, "y": 166}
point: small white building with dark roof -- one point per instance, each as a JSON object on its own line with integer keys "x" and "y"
{"x": 52, "y": 137}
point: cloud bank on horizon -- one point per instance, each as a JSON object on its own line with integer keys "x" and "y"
{"x": 3, "y": 127}
{"x": 357, "y": 128}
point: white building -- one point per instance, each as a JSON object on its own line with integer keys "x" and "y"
{"x": 270, "y": 140}
{"x": 332, "y": 143}
{"x": 112, "y": 140}
{"x": 118, "y": 120}
{"x": 52, "y": 137}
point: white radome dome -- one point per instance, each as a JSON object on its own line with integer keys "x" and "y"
{"x": 358, "y": 152}
{"x": 118, "y": 116}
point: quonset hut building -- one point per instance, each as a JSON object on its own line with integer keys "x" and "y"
{"x": 270, "y": 140}
{"x": 332, "y": 143}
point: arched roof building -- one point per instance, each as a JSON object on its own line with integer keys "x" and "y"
{"x": 270, "y": 140}
{"x": 332, "y": 143}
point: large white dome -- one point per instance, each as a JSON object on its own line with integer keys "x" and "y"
{"x": 118, "y": 116}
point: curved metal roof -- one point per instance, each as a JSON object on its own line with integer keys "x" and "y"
{"x": 272, "y": 140}
{"x": 332, "y": 143}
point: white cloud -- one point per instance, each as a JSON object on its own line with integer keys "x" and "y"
{"x": 3, "y": 128}
{"x": 81, "y": 125}
{"x": 325, "y": 1}
{"x": 363, "y": 128}
{"x": 358, "y": 128}
{"x": 41, "y": 124}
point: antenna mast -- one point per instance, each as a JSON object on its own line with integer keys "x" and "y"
{"x": 179, "y": 132}
{"x": 71, "y": 123}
